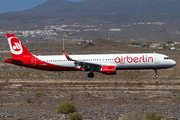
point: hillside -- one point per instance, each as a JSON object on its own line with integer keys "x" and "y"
{"x": 105, "y": 7}
{"x": 116, "y": 11}
{"x": 103, "y": 14}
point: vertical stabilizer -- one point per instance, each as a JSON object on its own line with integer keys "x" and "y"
{"x": 17, "y": 48}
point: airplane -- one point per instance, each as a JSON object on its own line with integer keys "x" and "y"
{"x": 104, "y": 63}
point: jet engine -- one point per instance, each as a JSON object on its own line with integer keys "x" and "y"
{"x": 109, "y": 70}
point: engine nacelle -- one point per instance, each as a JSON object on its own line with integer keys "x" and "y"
{"x": 109, "y": 70}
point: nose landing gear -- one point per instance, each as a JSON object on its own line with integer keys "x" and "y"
{"x": 156, "y": 73}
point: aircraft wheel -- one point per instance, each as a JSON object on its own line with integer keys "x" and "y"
{"x": 156, "y": 76}
{"x": 156, "y": 73}
{"x": 90, "y": 75}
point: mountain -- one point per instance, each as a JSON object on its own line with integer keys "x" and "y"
{"x": 104, "y": 7}
{"x": 104, "y": 14}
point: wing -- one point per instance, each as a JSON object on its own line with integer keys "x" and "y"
{"x": 109, "y": 69}
{"x": 84, "y": 65}
{"x": 79, "y": 62}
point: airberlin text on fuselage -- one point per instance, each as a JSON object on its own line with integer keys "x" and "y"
{"x": 143, "y": 59}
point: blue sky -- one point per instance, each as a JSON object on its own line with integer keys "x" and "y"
{"x": 19, "y": 5}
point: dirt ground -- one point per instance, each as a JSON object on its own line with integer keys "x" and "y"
{"x": 103, "y": 97}
{"x": 94, "y": 98}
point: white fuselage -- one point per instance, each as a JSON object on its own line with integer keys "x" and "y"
{"x": 121, "y": 61}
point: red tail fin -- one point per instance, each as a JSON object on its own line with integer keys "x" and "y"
{"x": 16, "y": 47}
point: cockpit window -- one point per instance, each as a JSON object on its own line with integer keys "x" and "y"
{"x": 166, "y": 58}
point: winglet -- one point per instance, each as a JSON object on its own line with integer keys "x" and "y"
{"x": 67, "y": 56}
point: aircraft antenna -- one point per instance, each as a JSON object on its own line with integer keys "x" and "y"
{"x": 63, "y": 41}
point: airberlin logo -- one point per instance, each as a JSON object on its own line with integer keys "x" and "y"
{"x": 143, "y": 59}
{"x": 15, "y": 45}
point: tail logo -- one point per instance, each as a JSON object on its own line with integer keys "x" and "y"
{"x": 16, "y": 47}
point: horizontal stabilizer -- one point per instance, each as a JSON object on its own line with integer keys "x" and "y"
{"x": 13, "y": 60}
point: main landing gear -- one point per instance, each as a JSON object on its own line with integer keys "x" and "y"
{"x": 90, "y": 75}
{"x": 156, "y": 73}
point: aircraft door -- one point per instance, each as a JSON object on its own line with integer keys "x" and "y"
{"x": 156, "y": 57}
{"x": 33, "y": 61}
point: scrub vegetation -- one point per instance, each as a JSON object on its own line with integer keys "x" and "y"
{"x": 66, "y": 108}
{"x": 39, "y": 94}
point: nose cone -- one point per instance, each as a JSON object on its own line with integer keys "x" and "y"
{"x": 173, "y": 63}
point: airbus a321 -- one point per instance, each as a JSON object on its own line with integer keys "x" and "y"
{"x": 104, "y": 63}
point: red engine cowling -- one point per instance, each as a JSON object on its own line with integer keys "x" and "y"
{"x": 110, "y": 70}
